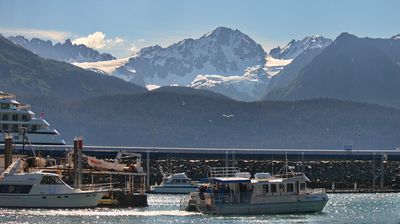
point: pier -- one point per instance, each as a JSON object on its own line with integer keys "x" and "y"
{"x": 372, "y": 171}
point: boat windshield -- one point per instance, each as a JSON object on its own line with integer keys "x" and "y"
{"x": 51, "y": 180}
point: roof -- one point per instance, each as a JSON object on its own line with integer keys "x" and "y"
{"x": 226, "y": 180}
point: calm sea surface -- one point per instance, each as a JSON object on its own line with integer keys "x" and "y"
{"x": 342, "y": 208}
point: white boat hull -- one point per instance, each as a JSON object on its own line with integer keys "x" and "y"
{"x": 268, "y": 208}
{"x": 36, "y": 139}
{"x": 73, "y": 200}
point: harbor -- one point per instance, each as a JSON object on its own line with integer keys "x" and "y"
{"x": 176, "y": 183}
{"x": 359, "y": 208}
{"x": 344, "y": 170}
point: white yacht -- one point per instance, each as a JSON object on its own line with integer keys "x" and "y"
{"x": 238, "y": 194}
{"x": 41, "y": 190}
{"x": 20, "y": 121}
{"x": 177, "y": 183}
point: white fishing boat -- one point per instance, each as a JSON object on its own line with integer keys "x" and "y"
{"x": 177, "y": 183}
{"x": 41, "y": 190}
{"x": 238, "y": 194}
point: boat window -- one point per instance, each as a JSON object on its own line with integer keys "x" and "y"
{"x": 273, "y": 188}
{"x": 34, "y": 127}
{"x": 282, "y": 187}
{"x": 5, "y": 117}
{"x": 289, "y": 187}
{"x": 24, "y": 117}
{"x": 185, "y": 181}
{"x": 15, "y": 189}
{"x": 5, "y": 127}
{"x": 50, "y": 180}
{"x": 174, "y": 181}
{"x": 15, "y": 127}
{"x": 5, "y": 106}
{"x": 302, "y": 186}
{"x": 266, "y": 188}
{"x": 15, "y": 117}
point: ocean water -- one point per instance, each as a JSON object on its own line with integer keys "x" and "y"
{"x": 342, "y": 208}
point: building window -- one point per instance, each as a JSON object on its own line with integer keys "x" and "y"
{"x": 5, "y": 117}
{"x": 273, "y": 188}
{"x": 290, "y": 187}
{"x": 265, "y": 188}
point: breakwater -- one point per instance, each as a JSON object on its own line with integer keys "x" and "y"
{"x": 322, "y": 173}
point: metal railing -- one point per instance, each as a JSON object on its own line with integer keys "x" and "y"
{"x": 223, "y": 171}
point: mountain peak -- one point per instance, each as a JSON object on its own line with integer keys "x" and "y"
{"x": 217, "y": 31}
{"x": 346, "y": 36}
{"x": 66, "y": 51}
{"x": 223, "y": 52}
{"x": 68, "y": 42}
{"x": 296, "y": 47}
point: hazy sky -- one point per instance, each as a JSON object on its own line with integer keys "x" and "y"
{"x": 121, "y": 26}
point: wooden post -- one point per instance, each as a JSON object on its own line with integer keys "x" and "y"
{"x": 7, "y": 150}
{"x": 75, "y": 162}
{"x": 233, "y": 159}
{"x": 302, "y": 162}
{"x": 226, "y": 158}
{"x": 373, "y": 173}
{"x": 382, "y": 171}
{"x": 78, "y": 162}
{"x": 148, "y": 171}
{"x": 130, "y": 185}
{"x": 80, "y": 149}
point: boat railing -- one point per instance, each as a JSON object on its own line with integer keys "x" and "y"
{"x": 100, "y": 186}
{"x": 314, "y": 191}
{"x": 222, "y": 171}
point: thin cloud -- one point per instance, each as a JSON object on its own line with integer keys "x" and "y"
{"x": 97, "y": 40}
{"x": 54, "y": 35}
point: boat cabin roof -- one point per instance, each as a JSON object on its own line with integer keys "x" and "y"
{"x": 178, "y": 176}
{"x": 278, "y": 179}
{"x": 226, "y": 180}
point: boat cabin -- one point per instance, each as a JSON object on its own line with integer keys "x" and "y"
{"x": 178, "y": 178}
{"x": 232, "y": 190}
{"x": 33, "y": 183}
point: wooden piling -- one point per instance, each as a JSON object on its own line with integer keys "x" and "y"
{"x": 78, "y": 146}
{"x": 7, "y": 150}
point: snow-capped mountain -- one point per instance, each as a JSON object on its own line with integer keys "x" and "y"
{"x": 66, "y": 51}
{"x": 296, "y": 47}
{"x": 351, "y": 68}
{"x": 223, "y": 52}
{"x": 248, "y": 87}
{"x": 396, "y": 37}
{"x": 273, "y": 65}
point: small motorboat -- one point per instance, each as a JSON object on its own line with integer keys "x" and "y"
{"x": 177, "y": 183}
{"x": 116, "y": 165}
